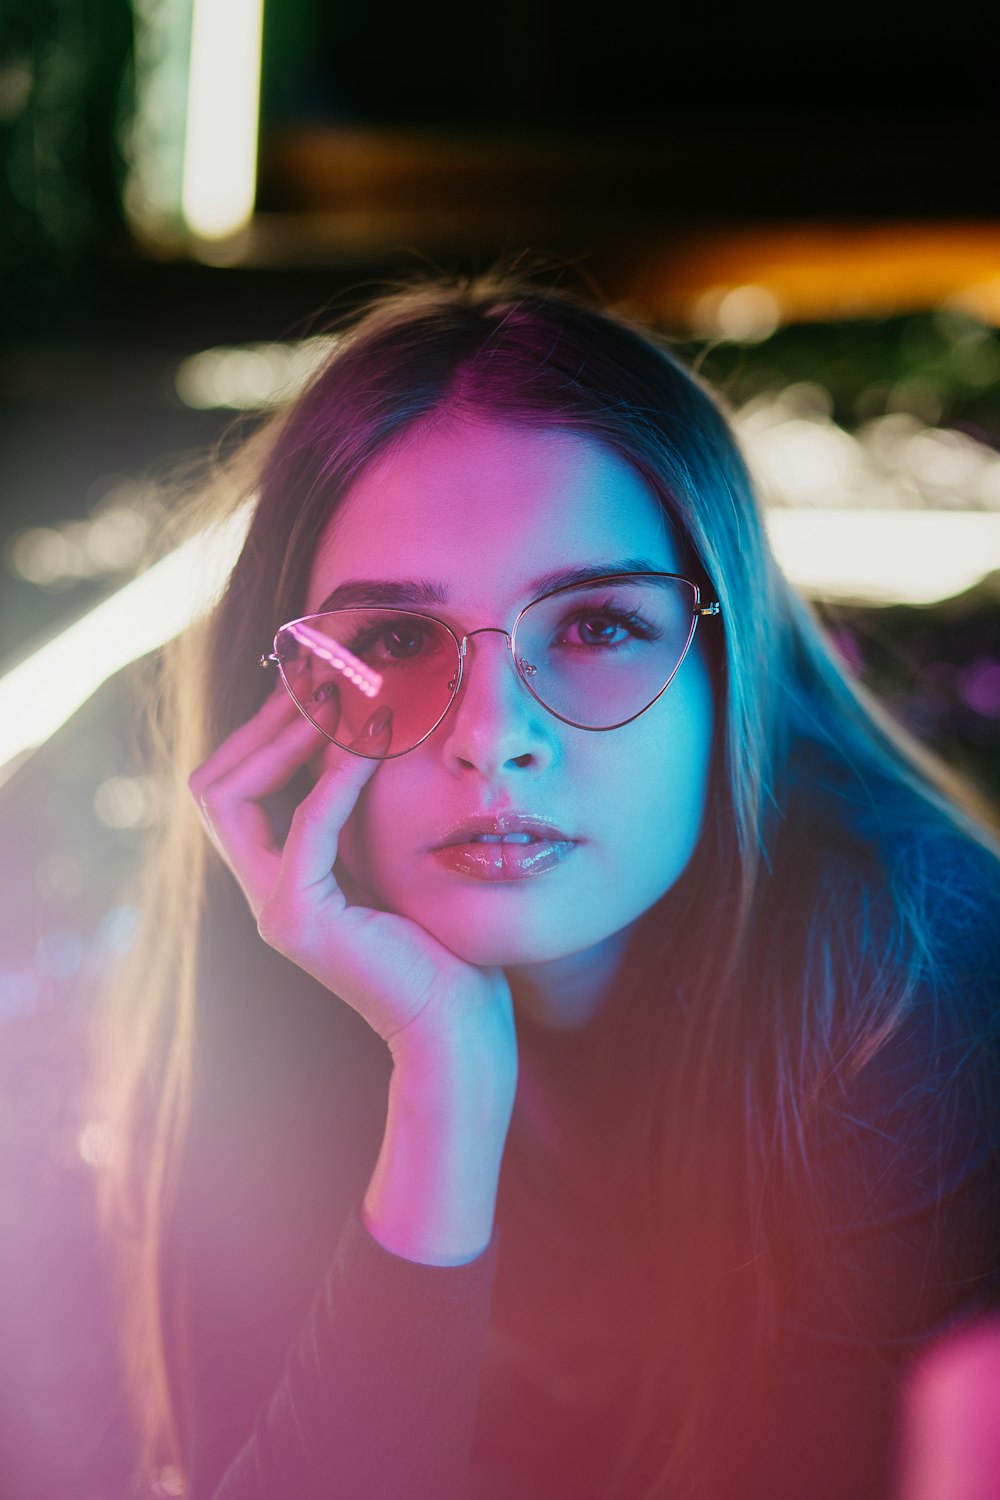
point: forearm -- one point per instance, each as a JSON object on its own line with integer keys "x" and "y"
{"x": 433, "y": 1192}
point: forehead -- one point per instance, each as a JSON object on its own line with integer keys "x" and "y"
{"x": 482, "y": 508}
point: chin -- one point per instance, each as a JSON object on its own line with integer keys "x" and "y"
{"x": 502, "y": 944}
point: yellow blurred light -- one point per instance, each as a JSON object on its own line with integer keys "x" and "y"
{"x": 51, "y": 557}
{"x": 220, "y": 147}
{"x": 748, "y": 314}
{"x": 121, "y": 802}
{"x": 828, "y": 271}
{"x": 742, "y": 314}
{"x": 40, "y": 555}
{"x": 249, "y": 377}
{"x": 979, "y": 300}
{"x": 114, "y": 539}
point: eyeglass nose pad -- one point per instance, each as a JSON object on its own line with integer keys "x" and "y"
{"x": 521, "y": 665}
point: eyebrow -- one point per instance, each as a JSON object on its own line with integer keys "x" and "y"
{"x": 399, "y": 591}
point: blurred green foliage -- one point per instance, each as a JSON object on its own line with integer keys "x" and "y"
{"x": 65, "y": 104}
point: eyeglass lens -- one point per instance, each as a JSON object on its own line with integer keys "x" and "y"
{"x": 595, "y": 655}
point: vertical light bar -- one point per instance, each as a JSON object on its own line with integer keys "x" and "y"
{"x": 220, "y": 146}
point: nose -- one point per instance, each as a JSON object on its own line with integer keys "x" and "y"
{"x": 494, "y": 724}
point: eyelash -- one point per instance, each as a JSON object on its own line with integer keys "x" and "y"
{"x": 632, "y": 620}
{"x": 641, "y": 628}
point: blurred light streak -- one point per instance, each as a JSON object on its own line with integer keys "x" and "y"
{"x": 153, "y": 142}
{"x": 823, "y": 272}
{"x": 220, "y": 145}
{"x": 42, "y": 692}
{"x": 885, "y": 556}
{"x": 249, "y": 377}
{"x": 802, "y": 458}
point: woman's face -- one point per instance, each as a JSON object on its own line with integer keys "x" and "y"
{"x": 481, "y": 509}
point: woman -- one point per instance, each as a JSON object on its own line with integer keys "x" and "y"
{"x": 567, "y": 1066}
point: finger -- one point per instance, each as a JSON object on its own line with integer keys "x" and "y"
{"x": 267, "y": 765}
{"x": 278, "y": 708}
{"x": 311, "y": 847}
{"x": 230, "y": 807}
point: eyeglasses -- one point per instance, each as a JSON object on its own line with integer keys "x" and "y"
{"x": 595, "y": 655}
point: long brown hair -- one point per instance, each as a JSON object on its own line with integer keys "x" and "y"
{"x": 750, "y": 989}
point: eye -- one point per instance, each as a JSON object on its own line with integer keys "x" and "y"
{"x": 598, "y": 629}
{"x": 403, "y": 641}
{"x": 608, "y": 627}
{"x": 398, "y": 642}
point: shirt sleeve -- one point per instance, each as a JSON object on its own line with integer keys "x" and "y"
{"x": 378, "y": 1394}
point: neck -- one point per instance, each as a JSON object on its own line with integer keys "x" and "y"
{"x": 565, "y": 994}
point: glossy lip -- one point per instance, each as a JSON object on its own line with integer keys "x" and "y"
{"x": 499, "y": 823}
{"x": 503, "y": 862}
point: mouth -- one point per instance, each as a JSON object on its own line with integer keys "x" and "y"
{"x": 504, "y": 847}
{"x": 505, "y": 828}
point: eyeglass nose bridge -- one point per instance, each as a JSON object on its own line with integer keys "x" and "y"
{"x": 524, "y": 668}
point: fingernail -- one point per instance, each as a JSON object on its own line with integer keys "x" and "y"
{"x": 379, "y": 722}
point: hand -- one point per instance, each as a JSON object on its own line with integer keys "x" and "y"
{"x": 416, "y": 994}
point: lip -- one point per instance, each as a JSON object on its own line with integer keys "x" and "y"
{"x": 501, "y": 822}
{"x": 503, "y": 862}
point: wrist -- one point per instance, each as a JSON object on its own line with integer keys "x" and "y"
{"x": 433, "y": 1192}
{"x": 473, "y": 1067}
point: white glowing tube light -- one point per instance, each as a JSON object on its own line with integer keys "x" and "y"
{"x": 220, "y": 146}
{"x": 885, "y": 556}
{"x": 41, "y": 693}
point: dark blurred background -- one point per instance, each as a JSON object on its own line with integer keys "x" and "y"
{"x": 807, "y": 208}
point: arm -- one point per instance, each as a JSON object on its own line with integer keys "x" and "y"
{"x": 378, "y": 1393}
{"x": 378, "y": 1389}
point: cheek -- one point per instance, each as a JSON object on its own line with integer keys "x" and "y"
{"x": 378, "y": 829}
{"x": 354, "y": 846}
{"x": 661, "y": 792}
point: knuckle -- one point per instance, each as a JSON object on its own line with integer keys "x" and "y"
{"x": 306, "y": 814}
{"x": 275, "y": 928}
{"x": 200, "y": 787}
{"x": 207, "y": 801}
{"x": 267, "y": 926}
